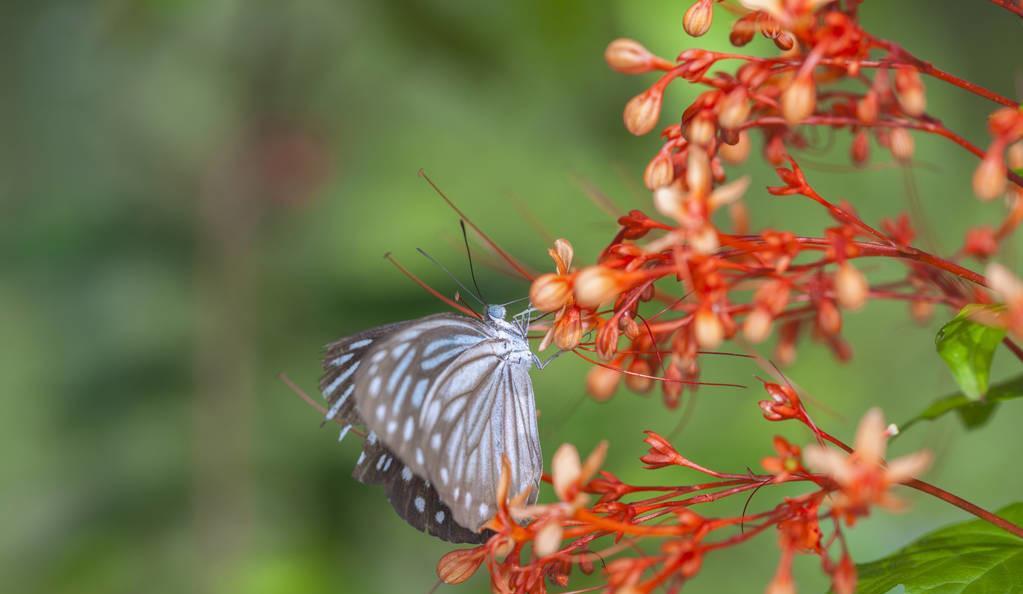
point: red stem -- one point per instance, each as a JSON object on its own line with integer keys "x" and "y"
{"x": 1011, "y": 5}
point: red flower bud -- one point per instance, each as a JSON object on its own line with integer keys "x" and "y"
{"x": 734, "y": 109}
{"x": 460, "y": 565}
{"x": 867, "y": 108}
{"x": 799, "y": 100}
{"x": 860, "y": 150}
{"x": 638, "y": 383}
{"x": 989, "y": 177}
{"x": 738, "y": 152}
{"x": 629, "y": 57}
{"x": 851, "y": 287}
{"x": 909, "y": 90}
{"x": 708, "y": 329}
{"x": 901, "y": 144}
{"x": 698, "y": 18}
{"x": 602, "y": 382}
{"x": 659, "y": 172}
{"x": 642, "y": 112}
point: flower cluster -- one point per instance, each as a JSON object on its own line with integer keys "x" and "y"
{"x": 679, "y": 281}
{"x": 597, "y": 516}
{"x": 725, "y": 280}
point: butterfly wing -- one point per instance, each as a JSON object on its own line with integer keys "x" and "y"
{"x": 341, "y": 363}
{"x": 483, "y": 409}
{"x": 381, "y": 377}
{"x": 446, "y": 396}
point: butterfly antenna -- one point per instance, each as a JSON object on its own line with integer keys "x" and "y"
{"x": 468, "y": 254}
{"x": 515, "y": 264}
{"x": 429, "y": 289}
{"x": 453, "y": 277}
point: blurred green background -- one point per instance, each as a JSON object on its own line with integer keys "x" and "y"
{"x": 196, "y": 195}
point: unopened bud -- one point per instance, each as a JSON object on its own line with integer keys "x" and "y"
{"x": 738, "y": 152}
{"x": 708, "y": 330}
{"x": 989, "y": 177}
{"x": 799, "y": 100}
{"x": 921, "y": 311}
{"x": 642, "y": 112}
{"x": 743, "y": 30}
{"x": 734, "y": 109}
{"x": 628, "y": 57}
{"x": 640, "y": 382}
{"x": 784, "y": 41}
{"x": 698, "y": 18}
{"x": 596, "y": 285}
{"x": 701, "y": 130}
{"x": 698, "y": 176}
{"x": 851, "y": 286}
{"x": 550, "y": 292}
{"x": 909, "y": 91}
{"x": 460, "y": 565}
{"x": 901, "y": 144}
{"x": 660, "y": 171}
{"x": 757, "y": 325}
{"x": 1014, "y": 156}
{"x": 867, "y": 108}
{"x": 828, "y": 317}
{"x": 860, "y": 150}
{"x": 602, "y": 382}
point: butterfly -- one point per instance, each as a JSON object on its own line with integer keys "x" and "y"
{"x": 442, "y": 398}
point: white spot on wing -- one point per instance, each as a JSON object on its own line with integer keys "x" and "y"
{"x": 391, "y": 426}
{"x": 340, "y": 379}
{"x": 444, "y": 475}
{"x": 336, "y": 407}
{"x": 406, "y": 474}
{"x": 342, "y": 360}
{"x": 398, "y": 350}
{"x": 362, "y": 458}
{"x": 419, "y": 392}
{"x": 484, "y": 510}
{"x": 407, "y": 431}
{"x": 344, "y": 432}
{"x": 420, "y": 504}
{"x": 419, "y": 457}
{"x": 358, "y": 344}
{"x": 435, "y": 441}
{"x": 439, "y": 517}
{"x": 374, "y": 386}
{"x": 381, "y": 411}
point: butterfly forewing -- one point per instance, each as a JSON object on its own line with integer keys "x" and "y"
{"x": 487, "y": 411}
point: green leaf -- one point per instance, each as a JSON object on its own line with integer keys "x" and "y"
{"x": 972, "y": 413}
{"x": 967, "y": 346}
{"x": 970, "y": 558}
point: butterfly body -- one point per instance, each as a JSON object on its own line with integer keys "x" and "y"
{"x": 443, "y": 398}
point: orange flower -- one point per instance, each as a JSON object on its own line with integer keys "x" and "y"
{"x": 863, "y": 477}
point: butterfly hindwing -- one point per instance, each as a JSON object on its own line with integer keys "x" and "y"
{"x": 411, "y": 496}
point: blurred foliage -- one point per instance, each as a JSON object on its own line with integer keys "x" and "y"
{"x": 195, "y": 195}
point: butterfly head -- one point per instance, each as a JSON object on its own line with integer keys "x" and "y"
{"x": 495, "y": 312}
